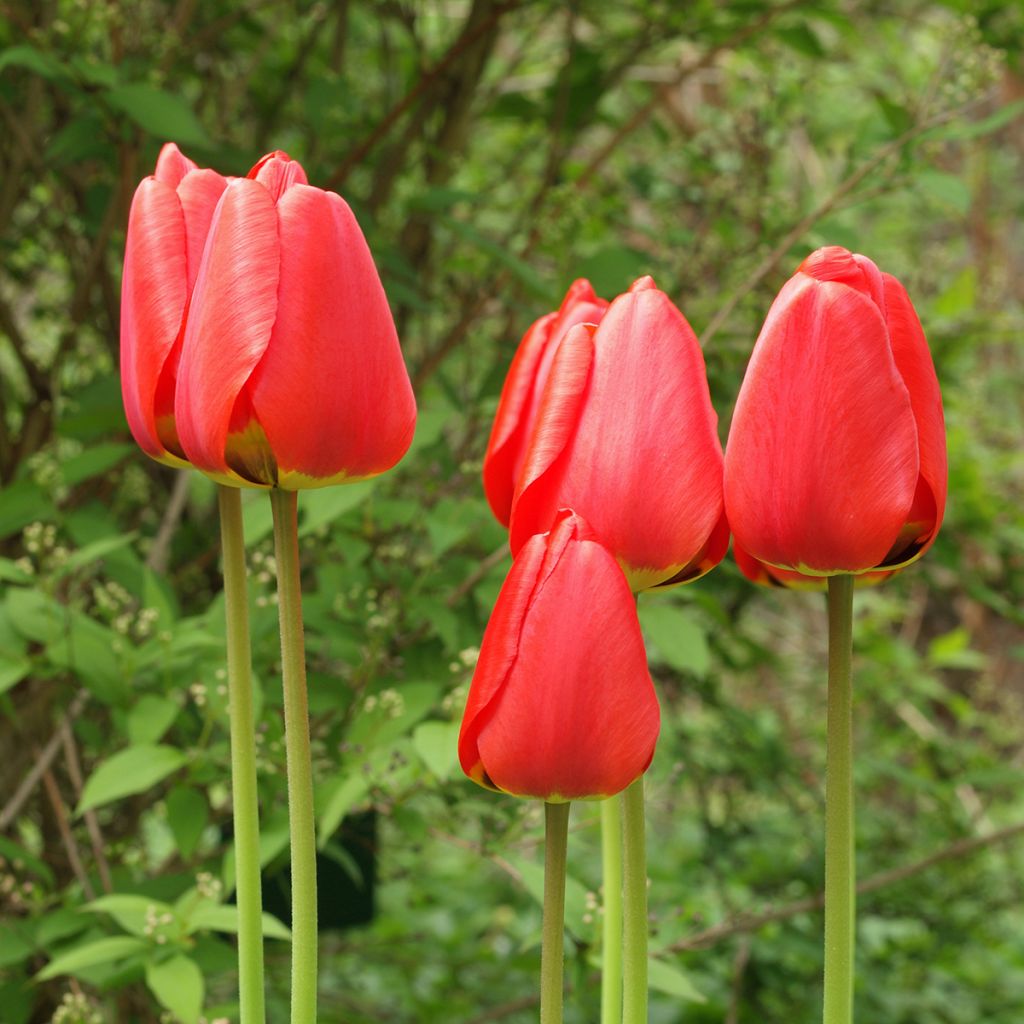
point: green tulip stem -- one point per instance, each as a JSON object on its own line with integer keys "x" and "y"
{"x": 552, "y": 949}
{"x": 839, "y": 832}
{"x": 300, "y": 776}
{"x": 244, "y": 790}
{"x": 634, "y": 931}
{"x": 611, "y": 934}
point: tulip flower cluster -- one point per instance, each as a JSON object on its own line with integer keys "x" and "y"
{"x": 257, "y": 344}
{"x": 605, "y": 464}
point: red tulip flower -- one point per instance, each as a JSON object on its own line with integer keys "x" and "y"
{"x": 167, "y": 228}
{"x": 836, "y": 460}
{"x": 524, "y": 385}
{"x": 291, "y": 374}
{"x": 626, "y": 435}
{"x": 561, "y": 706}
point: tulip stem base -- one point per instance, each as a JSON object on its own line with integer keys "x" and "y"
{"x": 839, "y": 820}
{"x": 552, "y": 955}
{"x": 634, "y": 931}
{"x": 611, "y": 935}
{"x": 244, "y": 789}
{"x": 301, "y": 819}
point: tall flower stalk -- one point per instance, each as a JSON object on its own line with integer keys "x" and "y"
{"x": 301, "y": 819}
{"x": 244, "y": 789}
{"x": 835, "y": 471}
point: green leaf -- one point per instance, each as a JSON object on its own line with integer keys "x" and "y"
{"x": 93, "y": 553}
{"x": 187, "y": 816}
{"x": 437, "y": 745}
{"x": 501, "y": 254}
{"x": 949, "y": 189}
{"x": 178, "y": 986}
{"x": 802, "y": 39}
{"x": 15, "y": 945}
{"x": 323, "y": 505}
{"x": 667, "y": 978}
{"x": 164, "y": 115}
{"x": 12, "y": 671}
{"x": 678, "y": 641}
{"x": 43, "y": 64}
{"x": 129, "y": 771}
{"x": 532, "y": 875}
{"x": 128, "y": 910}
{"x": 335, "y": 799}
{"x": 60, "y": 924}
{"x": 150, "y": 717}
{"x": 223, "y": 917}
{"x": 21, "y": 503}
{"x": 98, "y": 951}
{"x": 257, "y": 516}
{"x": 94, "y": 461}
{"x": 11, "y": 572}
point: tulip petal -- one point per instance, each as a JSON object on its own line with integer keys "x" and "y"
{"x": 154, "y": 293}
{"x": 557, "y": 419}
{"x": 172, "y": 165}
{"x": 914, "y": 363}
{"x": 522, "y": 391}
{"x": 822, "y": 462}
{"x": 199, "y": 192}
{"x": 506, "y": 444}
{"x": 331, "y": 391}
{"x": 233, "y": 307}
{"x": 644, "y": 464}
{"x": 772, "y": 576}
{"x": 562, "y": 705}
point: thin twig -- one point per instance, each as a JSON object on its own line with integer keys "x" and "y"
{"x": 844, "y": 188}
{"x": 496, "y": 557}
{"x": 467, "y": 39}
{"x": 43, "y": 761}
{"x": 684, "y": 71}
{"x": 92, "y": 823}
{"x": 159, "y": 553}
{"x": 745, "y": 924}
{"x": 66, "y": 835}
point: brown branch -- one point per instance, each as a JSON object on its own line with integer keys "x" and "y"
{"x": 466, "y": 39}
{"x": 745, "y": 924}
{"x": 496, "y": 557}
{"x": 843, "y": 189}
{"x": 92, "y": 823}
{"x": 43, "y": 761}
{"x": 66, "y": 835}
{"x": 159, "y": 553}
{"x": 684, "y": 71}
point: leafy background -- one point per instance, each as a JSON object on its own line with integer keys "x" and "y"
{"x": 494, "y": 150}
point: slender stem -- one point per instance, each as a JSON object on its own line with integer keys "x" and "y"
{"x": 611, "y": 939}
{"x": 552, "y": 950}
{"x": 300, "y": 775}
{"x": 839, "y": 834}
{"x": 634, "y": 931}
{"x": 244, "y": 790}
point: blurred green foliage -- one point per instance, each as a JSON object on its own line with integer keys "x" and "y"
{"x": 494, "y": 150}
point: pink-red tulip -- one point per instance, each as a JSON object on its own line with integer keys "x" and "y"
{"x": 291, "y": 374}
{"x": 524, "y": 385}
{"x": 836, "y": 460}
{"x": 167, "y": 228}
{"x": 625, "y": 434}
{"x": 561, "y": 706}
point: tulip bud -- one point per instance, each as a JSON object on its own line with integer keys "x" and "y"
{"x": 836, "y": 459}
{"x": 626, "y": 435}
{"x": 291, "y": 373}
{"x": 167, "y": 229}
{"x": 561, "y": 706}
{"x": 520, "y": 395}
